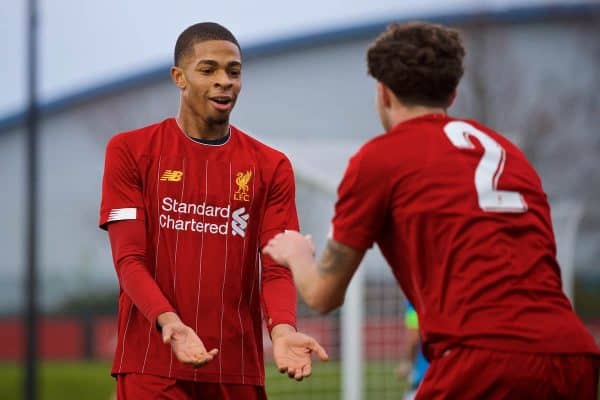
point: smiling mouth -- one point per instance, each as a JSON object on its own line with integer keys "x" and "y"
{"x": 222, "y": 100}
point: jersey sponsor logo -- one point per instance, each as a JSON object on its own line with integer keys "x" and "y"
{"x": 170, "y": 204}
{"x": 239, "y": 222}
{"x": 171, "y": 175}
{"x": 202, "y": 218}
{"x": 242, "y": 179}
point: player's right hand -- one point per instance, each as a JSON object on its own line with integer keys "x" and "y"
{"x": 290, "y": 247}
{"x": 186, "y": 345}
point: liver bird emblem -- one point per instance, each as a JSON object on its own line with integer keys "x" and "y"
{"x": 242, "y": 179}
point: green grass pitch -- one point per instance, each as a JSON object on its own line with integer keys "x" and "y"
{"x": 91, "y": 381}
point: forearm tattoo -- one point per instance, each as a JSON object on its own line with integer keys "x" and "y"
{"x": 336, "y": 257}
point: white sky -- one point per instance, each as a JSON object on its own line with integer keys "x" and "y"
{"x": 86, "y": 43}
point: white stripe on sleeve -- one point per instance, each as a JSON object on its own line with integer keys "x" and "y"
{"x": 119, "y": 214}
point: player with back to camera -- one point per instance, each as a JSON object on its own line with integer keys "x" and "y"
{"x": 188, "y": 203}
{"x": 461, "y": 217}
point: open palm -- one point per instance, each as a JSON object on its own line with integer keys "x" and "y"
{"x": 186, "y": 345}
{"x": 292, "y": 351}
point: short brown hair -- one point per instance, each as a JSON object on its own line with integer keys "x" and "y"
{"x": 420, "y": 62}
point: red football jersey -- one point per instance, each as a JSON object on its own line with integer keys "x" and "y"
{"x": 208, "y": 209}
{"x": 462, "y": 219}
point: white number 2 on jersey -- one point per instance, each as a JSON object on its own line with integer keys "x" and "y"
{"x": 488, "y": 170}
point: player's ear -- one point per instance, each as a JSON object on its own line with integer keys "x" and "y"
{"x": 383, "y": 95}
{"x": 178, "y": 77}
{"x": 451, "y": 99}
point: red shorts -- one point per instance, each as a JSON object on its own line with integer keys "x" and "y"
{"x": 476, "y": 373}
{"x": 151, "y": 387}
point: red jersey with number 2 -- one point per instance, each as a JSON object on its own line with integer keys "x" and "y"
{"x": 461, "y": 217}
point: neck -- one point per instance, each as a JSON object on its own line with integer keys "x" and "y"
{"x": 197, "y": 127}
{"x": 401, "y": 113}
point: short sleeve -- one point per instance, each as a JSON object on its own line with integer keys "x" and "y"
{"x": 280, "y": 210}
{"x": 362, "y": 203}
{"x": 121, "y": 185}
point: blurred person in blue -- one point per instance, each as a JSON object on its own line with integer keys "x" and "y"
{"x": 413, "y": 366}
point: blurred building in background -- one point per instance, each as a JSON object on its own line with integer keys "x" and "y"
{"x": 532, "y": 73}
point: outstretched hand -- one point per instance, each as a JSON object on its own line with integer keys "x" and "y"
{"x": 292, "y": 350}
{"x": 290, "y": 247}
{"x": 185, "y": 344}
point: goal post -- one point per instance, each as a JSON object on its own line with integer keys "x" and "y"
{"x": 566, "y": 218}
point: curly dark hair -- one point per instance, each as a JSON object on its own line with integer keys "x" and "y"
{"x": 200, "y": 32}
{"x": 420, "y": 62}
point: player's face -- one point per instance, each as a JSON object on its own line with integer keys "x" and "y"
{"x": 212, "y": 80}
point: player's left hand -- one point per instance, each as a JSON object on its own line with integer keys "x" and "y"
{"x": 292, "y": 350}
{"x": 290, "y": 247}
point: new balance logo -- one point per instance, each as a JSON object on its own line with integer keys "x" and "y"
{"x": 239, "y": 222}
{"x": 171, "y": 175}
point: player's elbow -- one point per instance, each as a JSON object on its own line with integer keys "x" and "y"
{"x": 325, "y": 309}
{"x": 323, "y": 304}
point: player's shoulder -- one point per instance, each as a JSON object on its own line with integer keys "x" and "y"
{"x": 373, "y": 144}
{"x": 135, "y": 137}
{"x": 402, "y": 137}
{"x": 405, "y": 142}
{"x": 261, "y": 149}
{"x": 500, "y": 137}
{"x": 378, "y": 149}
{"x": 479, "y": 126}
